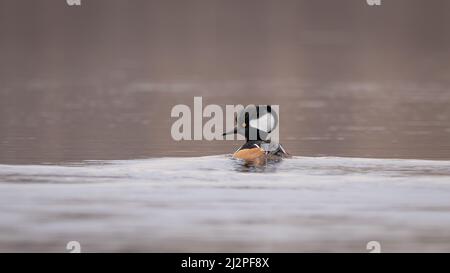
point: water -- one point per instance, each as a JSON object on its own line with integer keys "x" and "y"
{"x": 44, "y": 122}
{"x": 215, "y": 203}
{"x": 96, "y": 164}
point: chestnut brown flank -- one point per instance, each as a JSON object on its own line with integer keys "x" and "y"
{"x": 250, "y": 154}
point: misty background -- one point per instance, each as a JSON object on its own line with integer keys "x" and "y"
{"x": 98, "y": 81}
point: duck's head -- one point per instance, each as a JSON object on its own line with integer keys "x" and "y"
{"x": 255, "y": 122}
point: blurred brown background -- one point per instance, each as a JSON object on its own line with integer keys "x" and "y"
{"x": 98, "y": 81}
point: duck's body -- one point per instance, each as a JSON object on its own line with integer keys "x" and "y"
{"x": 259, "y": 148}
{"x": 260, "y": 152}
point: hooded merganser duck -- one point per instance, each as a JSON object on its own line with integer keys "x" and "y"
{"x": 256, "y": 123}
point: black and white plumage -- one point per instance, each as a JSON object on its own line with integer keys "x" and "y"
{"x": 256, "y": 123}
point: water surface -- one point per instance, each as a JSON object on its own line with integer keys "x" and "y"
{"x": 215, "y": 203}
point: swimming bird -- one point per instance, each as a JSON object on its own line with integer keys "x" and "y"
{"x": 256, "y": 123}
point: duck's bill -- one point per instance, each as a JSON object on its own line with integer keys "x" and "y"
{"x": 232, "y": 132}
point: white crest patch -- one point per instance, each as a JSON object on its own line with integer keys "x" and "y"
{"x": 264, "y": 123}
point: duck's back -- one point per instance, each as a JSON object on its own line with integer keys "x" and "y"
{"x": 253, "y": 151}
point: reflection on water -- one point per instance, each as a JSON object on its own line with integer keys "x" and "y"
{"x": 52, "y": 123}
{"x": 209, "y": 204}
